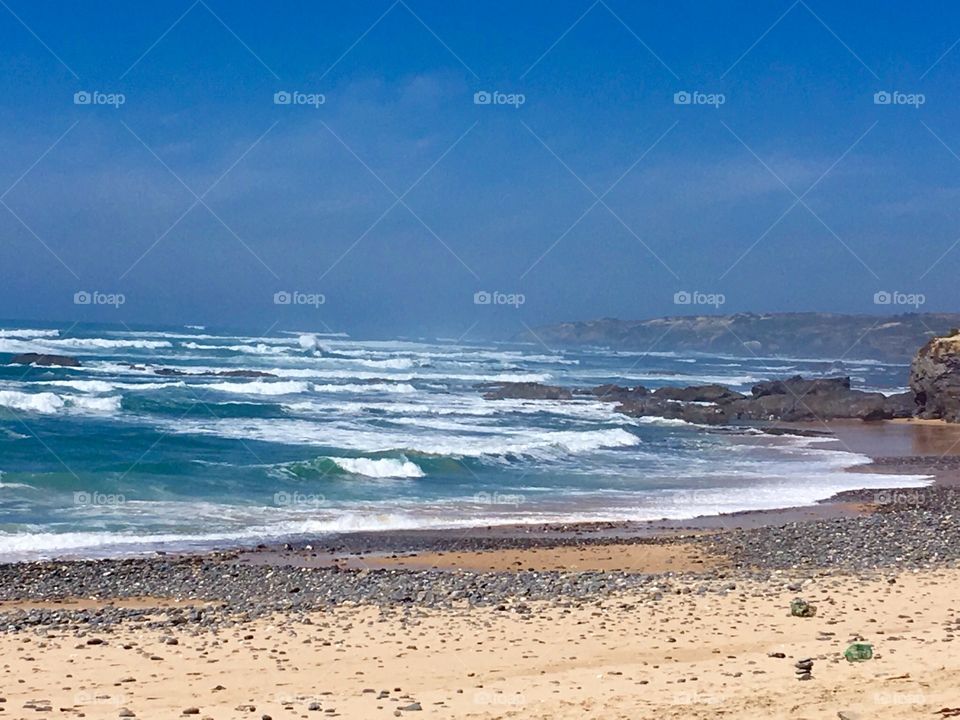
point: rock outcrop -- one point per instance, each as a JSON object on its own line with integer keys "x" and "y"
{"x": 526, "y": 391}
{"x": 935, "y": 378}
{"x": 44, "y": 360}
{"x": 792, "y": 400}
{"x": 796, "y": 399}
{"x": 174, "y": 372}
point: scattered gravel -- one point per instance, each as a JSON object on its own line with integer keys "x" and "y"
{"x": 906, "y": 529}
{"x": 909, "y": 528}
{"x": 216, "y": 590}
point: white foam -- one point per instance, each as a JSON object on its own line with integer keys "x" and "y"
{"x": 308, "y": 342}
{"x": 383, "y": 468}
{"x": 258, "y": 349}
{"x": 684, "y": 380}
{"x": 503, "y": 442}
{"x": 48, "y": 403}
{"x": 261, "y": 387}
{"x": 389, "y": 364}
{"x": 88, "y": 386}
{"x": 401, "y": 388}
{"x": 101, "y": 344}
{"x": 95, "y": 404}
{"x": 102, "y": 386}
{"x": 29, "y": 333}
{"x": 666, "y": 422}
{"x": 45, "y": 403}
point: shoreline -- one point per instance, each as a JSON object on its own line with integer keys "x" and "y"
{"x": 672, "y": 620}
{"x": 914, "y": 445}
{"x": 910, "y": 447}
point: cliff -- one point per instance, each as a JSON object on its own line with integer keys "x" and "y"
{"x": 935, "y": 378}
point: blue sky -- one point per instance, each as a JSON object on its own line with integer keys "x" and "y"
{"x": 783, "y": 185}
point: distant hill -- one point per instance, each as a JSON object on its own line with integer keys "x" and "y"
{"x": 893, "y": 338}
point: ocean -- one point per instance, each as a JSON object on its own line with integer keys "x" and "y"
{"x": 112, "y": 458}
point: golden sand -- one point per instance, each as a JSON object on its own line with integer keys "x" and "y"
{"x": 687, "y": 655}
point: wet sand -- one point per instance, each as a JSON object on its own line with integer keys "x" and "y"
{"x": 639, "y": 558}
{"x": 893, "y": 438}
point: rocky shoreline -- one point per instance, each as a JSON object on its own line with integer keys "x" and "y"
{"x": 906, "y": 529}
{"x": 896, "y": 530}
{"x": 792, "y": 400}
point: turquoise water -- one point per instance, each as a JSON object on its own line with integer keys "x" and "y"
{"x": 113, "y": 458}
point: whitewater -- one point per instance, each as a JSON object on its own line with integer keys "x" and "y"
{"x": 190, "y": 438}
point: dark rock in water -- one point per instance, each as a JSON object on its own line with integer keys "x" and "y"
{"x": 791, "y": 400}
{"x": 935, "y": 378}
{"x": 902, "y": 405}
{"x": 44, "y": 360}
{"x": 691, "y": 412}
{"x": 526, "y": 391}
{"x": 799, "y": 387}
{"x": 699, "y": 393}
{"x": 615, "y": 393}
{"x": 173, "y": 372}
{"x": 165, "y": 371}
{"x": 796, "y": 399}
{"x": 849, "y": 404}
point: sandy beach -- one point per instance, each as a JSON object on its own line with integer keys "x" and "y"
{"x": 694, "y": 652}
{"x": 691, "y": 620}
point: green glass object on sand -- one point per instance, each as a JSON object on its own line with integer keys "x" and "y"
{"x": 858, "y": 652}
{"x": 801, "y": 608}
